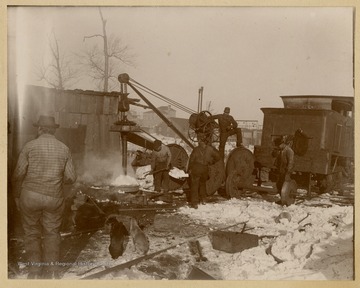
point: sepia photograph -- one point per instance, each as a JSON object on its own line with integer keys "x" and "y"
{"x": 181, "y": 143}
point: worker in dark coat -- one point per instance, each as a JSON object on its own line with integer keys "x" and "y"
{"x": 200, "y": 159}
{"x": 227, "y": 126}
{"x": 44, "y": 166}
{"x": 284, "y": 161}
{"x": 160, "y": 166}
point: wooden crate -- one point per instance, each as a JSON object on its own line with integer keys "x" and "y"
{"x": 233, "y": 242}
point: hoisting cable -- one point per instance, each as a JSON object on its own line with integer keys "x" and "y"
{"x": 164, "y": 98}
{"x": 150, "y": 91}
{"x": 169, "y": 101}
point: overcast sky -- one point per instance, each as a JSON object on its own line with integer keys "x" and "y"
{"x": 244, "y": 57}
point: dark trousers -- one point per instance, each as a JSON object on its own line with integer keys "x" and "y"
{"x": 225, "y": 135}
{"x": 199, "y": 176}
{"x": 41, "y": 219}
{"x": 162, "y": 178}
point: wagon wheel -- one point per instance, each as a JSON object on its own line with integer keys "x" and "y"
{"x": 242, "y": 160}
{"x": 216, "y": 134}
{"x": 192, "y": 134}
{"x": 239, "y": 171}
{"x": 234, "y": 185}
{"x": 193, "y": 119}
{"x": 288, "y": 192}
{"x": 205, "y": 113}
{"x": 179, "y": 159}
{"x": 211, "y": 131}
{"x": 201, "y": 123}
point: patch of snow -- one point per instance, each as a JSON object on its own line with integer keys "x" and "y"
{"x": 320, "y": 250}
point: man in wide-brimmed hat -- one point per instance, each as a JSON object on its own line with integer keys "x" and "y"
{"x": 44, "y": 165}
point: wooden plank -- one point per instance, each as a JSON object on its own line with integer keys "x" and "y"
{"x": 84, "y": 119}
{"x": 74, "y": 120}
{"x": 96, "y": 135}
{"x": 92, "y": 135}
{"x": 60, "y": 102}
{"x": 57, "y": 118}
{"x": 84, "y": 103}
{"x": 64, "y": 120}
{"x": 99, "y": 104}
{"x": 68, "y": 98}
{"x": 106, "y": 105}
{"x": 103, "y": 133}
{"x": 113, "y": 105}
{"x": 47, "y": 102}
{"x": 114, "y": 136}
{"x": 89, "y": 133}
{"x": 75, "y": 101}
{"x": 91, "y": 104}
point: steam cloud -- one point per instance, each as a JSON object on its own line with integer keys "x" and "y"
{"x": 104, "y": 170}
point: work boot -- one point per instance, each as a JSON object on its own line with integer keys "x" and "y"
{"x": 195, "y": 206}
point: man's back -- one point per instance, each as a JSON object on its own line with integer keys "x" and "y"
{"x": 44, "y": 163}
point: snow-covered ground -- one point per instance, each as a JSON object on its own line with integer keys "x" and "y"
{"x": 313, "y": 242}
{"x": 318, "y": 248}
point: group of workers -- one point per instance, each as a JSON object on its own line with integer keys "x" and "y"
{"x": 45, "y": 165}
{"x": 204, "y": 155}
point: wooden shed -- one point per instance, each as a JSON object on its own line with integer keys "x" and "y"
{"x": 84, "y": 117}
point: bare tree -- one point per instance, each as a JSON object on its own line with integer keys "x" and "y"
{"x": 102, "y": 62}
{"x": 60, "y": 71}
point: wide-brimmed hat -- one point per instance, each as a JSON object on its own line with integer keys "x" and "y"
{"x": 46, "y": 121}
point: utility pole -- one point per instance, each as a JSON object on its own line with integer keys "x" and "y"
{"x": 200, "y": 99}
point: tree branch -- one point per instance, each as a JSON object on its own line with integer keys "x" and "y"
{"x": 92, "y": 36}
